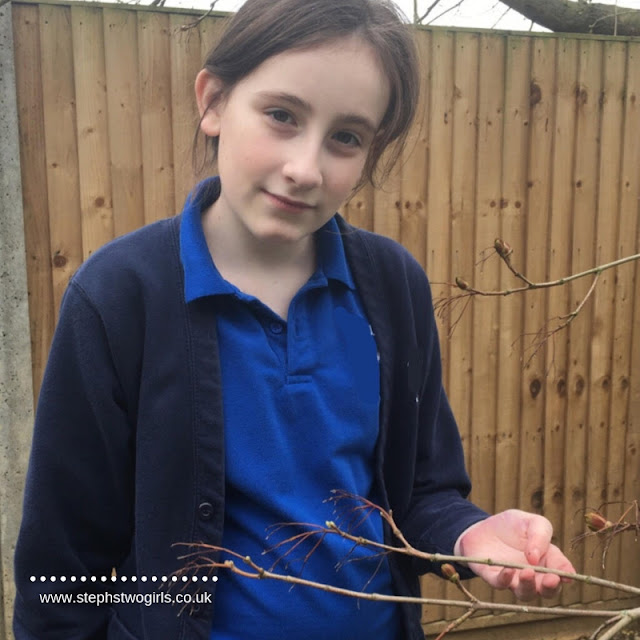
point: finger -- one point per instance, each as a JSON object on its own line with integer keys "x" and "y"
{"x": 496, "y": 577}
{"x": 555, "y": 559}
{"x": 548, "y": 585}
{"x": 524, "y": 586}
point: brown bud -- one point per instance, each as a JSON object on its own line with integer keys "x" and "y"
{"x": 502, "y": 248}
{"x": 596, "y": 522}
{"x": 461, "y": 284}
{"x": 448, "y": 571}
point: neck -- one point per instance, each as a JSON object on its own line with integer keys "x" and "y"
{"x": 236, "y": 250}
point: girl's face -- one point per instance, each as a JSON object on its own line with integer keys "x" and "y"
{"x": 294, "y": 137}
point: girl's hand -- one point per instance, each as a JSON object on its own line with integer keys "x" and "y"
{"x": 519, "y": 537}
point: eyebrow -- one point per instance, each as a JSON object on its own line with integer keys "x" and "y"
{"x": 295, "y": 101}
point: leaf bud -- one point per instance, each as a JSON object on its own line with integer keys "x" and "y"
{"x": 449, "y": 572}
{"x": 502, "y": 248}
{"x": 596, "y": 522}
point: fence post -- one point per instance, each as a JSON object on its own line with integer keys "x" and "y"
{"x": 16, "y": 390}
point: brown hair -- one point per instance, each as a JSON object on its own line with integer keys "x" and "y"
{"x": 264, "y": 28}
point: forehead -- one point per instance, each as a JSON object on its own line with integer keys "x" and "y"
{"x": 342, "y": 76}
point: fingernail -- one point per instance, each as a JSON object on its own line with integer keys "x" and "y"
{"x": 534, "y": 556}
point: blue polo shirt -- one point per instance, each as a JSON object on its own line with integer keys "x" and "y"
{"x": 301, "y": 402}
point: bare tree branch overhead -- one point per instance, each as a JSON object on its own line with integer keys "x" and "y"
{"x": 579, "y": 17}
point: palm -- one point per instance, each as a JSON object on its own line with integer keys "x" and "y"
{"x": 516, "y": 537}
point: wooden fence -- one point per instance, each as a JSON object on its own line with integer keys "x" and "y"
{"x": 533, "y": 138}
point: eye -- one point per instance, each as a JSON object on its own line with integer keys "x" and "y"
{"x": 348, "y": 139}
{"x": 280, "y": 115}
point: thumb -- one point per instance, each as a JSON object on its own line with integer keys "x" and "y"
{"x": 538, "y": 539}
{"x": 533, "y": 555}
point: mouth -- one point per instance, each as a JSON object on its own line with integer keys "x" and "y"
{"x": 286, "y": 203}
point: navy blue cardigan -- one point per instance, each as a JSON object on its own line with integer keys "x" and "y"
{"x": 128, "y": 454}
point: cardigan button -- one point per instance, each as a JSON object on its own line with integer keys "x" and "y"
{"x": 205, "y": 511}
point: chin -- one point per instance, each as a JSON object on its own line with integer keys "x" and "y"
{"x": 282, "y": 233}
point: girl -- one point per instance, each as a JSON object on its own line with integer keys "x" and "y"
{"x": 224, "y": 370}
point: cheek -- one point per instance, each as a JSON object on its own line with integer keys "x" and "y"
{"x": 244, "y": 153}
{"x": 343, "y": 181}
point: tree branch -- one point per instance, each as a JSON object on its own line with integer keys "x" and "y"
{"x": 578, "y": 17}
{"x": 433, "y": 5}
{"x": 446, "y": 305}
{"x": 455, "y": 6}
{"x": 200, "y": 559}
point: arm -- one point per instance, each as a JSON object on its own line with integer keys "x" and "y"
{"x": 440, "y": 490}
{"x": 77, "y": 518}
{"x": 439, "y": 511}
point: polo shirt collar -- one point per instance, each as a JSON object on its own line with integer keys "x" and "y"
{"x": 202, "y": 278}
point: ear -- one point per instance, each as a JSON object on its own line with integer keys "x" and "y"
{"x": 209, "y": 89}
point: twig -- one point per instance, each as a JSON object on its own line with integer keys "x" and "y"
{"x": 531, "y": 286}
{"x": 195, "y": 23}
{"x": 455, "y": 6}
{"x": 500, "y": 18}
{"x": 600, "y": 526}
{"x": 626, "y": 618}
{"x": 449, "y": 571}
{"x": 260, "y": 573}
{"x": 615, "y": 16}
{"x": 407, "y": 549}
{"x": 429, "y": 10}
{"x": 456, "y": 623}
{"x": 445, "y": 306}
{"x": 200, "y": 560}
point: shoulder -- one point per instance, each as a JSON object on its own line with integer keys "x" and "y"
{"x": 392, "y": 262}
{"x": 126, "y": 266}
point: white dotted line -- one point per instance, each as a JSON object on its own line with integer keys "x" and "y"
{"x": 120, "y": 578}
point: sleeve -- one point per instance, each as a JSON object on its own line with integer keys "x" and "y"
{"x": 78, "y": 504}
{"x": 439, "y": 511}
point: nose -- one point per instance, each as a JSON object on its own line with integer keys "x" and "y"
{"x": 302, "y": 166}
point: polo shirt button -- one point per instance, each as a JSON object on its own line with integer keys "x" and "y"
{"x": 276, "y": 327}
{"x": 205, "y": 511}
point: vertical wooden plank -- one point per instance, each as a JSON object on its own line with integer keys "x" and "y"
{"x": 557, "y": 435}
{"x": 414, "y": 164}
{"x": 629, "y": 383}
{"x": 185, "y": 64}
{"x": 486, "y": 328}
{"x": 463, "y": 173}
{"x": 622, "y": 561}
{"x": 386, "y": 206}
{"x": 533, "y": 480}
{"x": 541, "y": 90}
{"x": 587, "y": 97}
{"x": 438, "y": 249}
{"x": 61, "y": 147}
{"x": 210, "y": 30}
{"x": 359, "y": 209}
{"x": 463, "y": 186}
{"x": 34, "y": 185}
{"x": 631, "y": 566}
{"x": 508, "y": 425}
{"x": 439, "y": 180}
{"x": 155, "y": 110}
{"x": 512, "y": 433}
{"x": 91, "y": 122}
{"x": 612, "y": 111}
{"x": 123, "y": 106}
